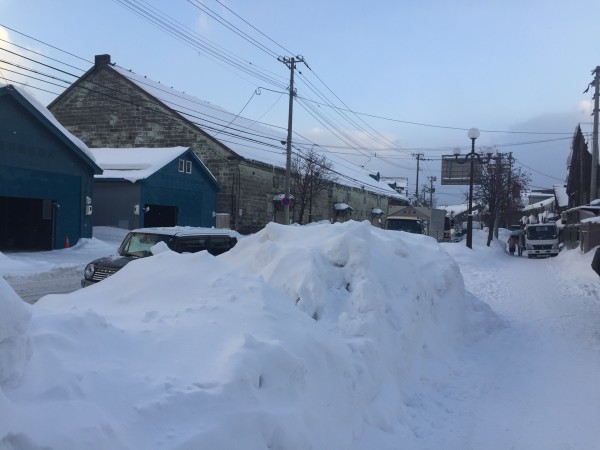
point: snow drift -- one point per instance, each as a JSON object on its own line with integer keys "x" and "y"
{"x": 300, "y": 337}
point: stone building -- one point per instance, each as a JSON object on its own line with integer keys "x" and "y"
{"x": 109, "y": 106}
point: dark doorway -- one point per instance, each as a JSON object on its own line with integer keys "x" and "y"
{"x": 160, "y": 216}
{"x": 26, "y": 224}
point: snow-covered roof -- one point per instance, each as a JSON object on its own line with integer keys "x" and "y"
{"x": 342, "y": 206}
{"x": 561, "y": 195}
{"x": 48, "y": 115}
{"x": 595, "y": 219}
{"x": 541, "y": 204}
{"x": 248, "y": 138}
{"x": 454, "y": 210}
{"x": 587, "y": 208}
{"x": 134, "y": 164}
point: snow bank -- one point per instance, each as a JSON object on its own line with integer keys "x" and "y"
{"x": 14, "y": 341}
{"x": 105, "y": 242}
{"x": 299, "y": 337}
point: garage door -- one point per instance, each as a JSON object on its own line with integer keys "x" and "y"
{"x": 26, "y": 224}
{"x": 160, "y": 216}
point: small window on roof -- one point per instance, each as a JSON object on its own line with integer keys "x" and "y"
{"x": 181, "y": 165}
{"x": 188, "y": 167}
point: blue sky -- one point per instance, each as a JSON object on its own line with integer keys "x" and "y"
{"x": 495, "y": 65}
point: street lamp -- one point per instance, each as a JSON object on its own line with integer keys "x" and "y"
{"x": 473, "y": 134}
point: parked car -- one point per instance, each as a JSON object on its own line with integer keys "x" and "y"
{"x": 457, "y": 236}
{"x": 138, "y": 243}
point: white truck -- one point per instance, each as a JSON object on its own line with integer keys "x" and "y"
{"x": 410, "y": 224}
{"x": 541, "y": 239}
{"x": 418, "y": 220}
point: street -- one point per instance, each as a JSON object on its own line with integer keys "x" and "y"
{"x": 58, "y": 281}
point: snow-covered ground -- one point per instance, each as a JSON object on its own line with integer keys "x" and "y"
{"x": 324, "y": 337}
{"x": 33, "y": 275}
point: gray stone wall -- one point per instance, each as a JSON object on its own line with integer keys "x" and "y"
{"x": 104, "y": 109}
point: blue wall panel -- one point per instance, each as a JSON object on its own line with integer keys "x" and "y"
{"x": 38, "y": 161}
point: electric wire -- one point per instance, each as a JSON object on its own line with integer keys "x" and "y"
{"x": 253, "y": 27}
{"x": 308, "y": 100}
{"x": 232, "y": 27}
{"x": 44, "y": 43}
{"x": 197, "y": 42}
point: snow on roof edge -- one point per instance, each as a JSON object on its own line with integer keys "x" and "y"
{"x": 48, "y": 115}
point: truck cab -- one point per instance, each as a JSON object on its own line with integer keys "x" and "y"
{"x": 541, "y": 239}
{"x": 405, "y": 223}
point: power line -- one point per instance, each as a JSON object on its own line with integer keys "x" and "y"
{"x": 232, "y": 27}
{"x": 253, "y": 27}
{"x": 195, "y": 41}
{"x": 354, "y": 144}
{"x": 537, "y": 171}
{"x": 45, "y": 43}
{"x": 220, "y": 129}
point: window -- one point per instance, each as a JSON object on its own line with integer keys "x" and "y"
{"x": 192, "y": 244}
{"x": 188, "y": 167}
{"x": 181, "y": 165}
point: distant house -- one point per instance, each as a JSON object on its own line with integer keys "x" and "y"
{"x": 46, "y": 175}
{"x": 109, "y": 106}
{"x": 151, "y": 187}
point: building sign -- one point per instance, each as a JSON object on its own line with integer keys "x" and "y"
{"x": 454, "y": 173}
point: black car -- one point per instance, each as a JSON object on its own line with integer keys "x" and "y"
{"x": 137, "y": 244}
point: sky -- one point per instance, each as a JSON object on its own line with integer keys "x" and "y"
{"x": 418, "y": 75}
{"x": 319, "y": 336}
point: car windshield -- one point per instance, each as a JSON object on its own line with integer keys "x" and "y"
{"x": 411, "y": 226}
{"x": 543, "y": 232}
{"x": 139, "y": 244}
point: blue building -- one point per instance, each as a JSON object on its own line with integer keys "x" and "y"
{"x": 46, "y": 178}
{"x": 153, "y": 187}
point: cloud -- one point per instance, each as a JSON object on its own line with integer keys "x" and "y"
{"x": 203, "y": 24}
{"x": 585, "y": 107}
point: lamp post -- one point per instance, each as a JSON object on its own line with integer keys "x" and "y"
{"x": 473, "y": 134}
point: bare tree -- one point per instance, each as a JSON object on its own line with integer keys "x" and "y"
{"x": 311, "y": 174}
{"x": 498, "y": 190}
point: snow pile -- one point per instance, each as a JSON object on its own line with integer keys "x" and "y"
{"x": 14, "y": 342}
{"x": 105, "y": 242}
{"x": 300, "y": 337}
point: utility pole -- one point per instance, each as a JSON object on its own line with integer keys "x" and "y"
{"x": 594, "y": 186}
{"x": 291, "y": 64}
{"x": 431, "y": 190}
{"x": 418, "y": 156}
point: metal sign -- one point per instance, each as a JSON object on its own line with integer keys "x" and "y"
{"x": 454, "y": 173}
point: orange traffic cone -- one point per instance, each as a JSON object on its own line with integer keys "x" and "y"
{"x": 66, "y": 241}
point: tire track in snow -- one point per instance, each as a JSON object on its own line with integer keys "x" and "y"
{"x": 534, "y": 383}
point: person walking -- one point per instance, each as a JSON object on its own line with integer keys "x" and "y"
{"x": 512, "y": 243}
{"x": 521, "y": 243}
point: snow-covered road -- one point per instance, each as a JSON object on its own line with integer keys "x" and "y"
{"x": 33, "y": 275}
{"x": 535, "y": 383}
{"x": 58, "y": 281}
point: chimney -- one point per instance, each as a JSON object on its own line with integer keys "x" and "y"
{"x": 102, "y": 60}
